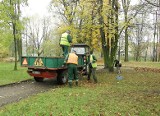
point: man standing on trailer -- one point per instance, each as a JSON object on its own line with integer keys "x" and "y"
{"x": 72, "y": 61}
{"x": 65, "y": 41}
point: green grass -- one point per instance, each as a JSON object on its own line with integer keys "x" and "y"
{"x": 137, "y": 94}
{"x": 8, "y": 75}
{"x": 148, "y": 64}
{"x": 141, "y": 64}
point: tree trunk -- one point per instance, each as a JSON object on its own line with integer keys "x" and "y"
{"x": 158, "y": 31}
{"x": 154, "y": 45}
{"x": 114, "y": 41}
{"x": 109, "y": 41}
{"x": 102, "y": 33}
{"x": 13, "y": 18}
{"x": 19, "y": 39}
{"x": 104, "y": 47}
{"x": 126, "y": 44}
{"x": 125, "y": 4}
{"x": 159, "y": 43}
{"x": 15, "y": 44}
{"x": 145, "y": 58}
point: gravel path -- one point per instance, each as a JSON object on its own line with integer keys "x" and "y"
{"x": 15, "y": 92}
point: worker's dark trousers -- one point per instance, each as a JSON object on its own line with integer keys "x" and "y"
{"x": 92, "y": 71}
{"x": 65, "y": 50}
{"x": 72, "y": 74}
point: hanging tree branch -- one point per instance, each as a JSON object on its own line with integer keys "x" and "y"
{"x": 153, "y": 4}
{"x": 121, "y": 30}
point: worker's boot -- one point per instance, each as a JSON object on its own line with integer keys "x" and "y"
{"x": 70, "y": 84}
{"x": 95, "y": 79}
{"x": 76, "y": 83}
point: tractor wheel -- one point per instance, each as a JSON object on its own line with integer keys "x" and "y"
{"x": 38, "y": 79}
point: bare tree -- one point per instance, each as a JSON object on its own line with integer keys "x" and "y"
{"x": 37, "y": 31}
{"x": 125, "y": 4}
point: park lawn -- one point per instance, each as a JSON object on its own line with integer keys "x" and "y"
{"x": 142, "y": 64}
{"x": 134, "y": 64}
{"x": 137, "y": 94}
{"x": 8, "y": 75}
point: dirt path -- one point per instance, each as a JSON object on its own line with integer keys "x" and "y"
{"x": 15, "y": 92}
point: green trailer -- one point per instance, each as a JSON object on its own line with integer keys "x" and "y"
{"x": 51, "y": 67}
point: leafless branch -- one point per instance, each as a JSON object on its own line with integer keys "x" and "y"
{"x": 153, "y": 4}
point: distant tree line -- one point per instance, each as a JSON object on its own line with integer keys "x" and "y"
{"x": 115, "y": 28}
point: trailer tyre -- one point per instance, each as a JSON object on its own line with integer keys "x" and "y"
{"x": 38, "y": 79}
{"x": 62, "y": 78}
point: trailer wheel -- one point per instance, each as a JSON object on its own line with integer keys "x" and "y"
{"x": 62, "y": 78}
{"x": 38, "y": 79}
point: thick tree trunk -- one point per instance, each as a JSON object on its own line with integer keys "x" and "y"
{"x": 104, "y": 47}
{"x": 116, "y": 31}
{"x": 109, "y": 43}
{"x": 102, "y": 33}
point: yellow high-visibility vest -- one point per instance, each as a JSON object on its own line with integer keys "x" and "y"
{"x": 64, "y": 40}
{"x": 94, "y": 65}
{"x": 72, "y": 58}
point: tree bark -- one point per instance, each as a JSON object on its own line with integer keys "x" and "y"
{"x": 15, "y": 44}
{"x": 125, "y": 4}
{"x": 102, "y": 33}
{"x": 154, "y": 44}
{"x": 19, "y": 39}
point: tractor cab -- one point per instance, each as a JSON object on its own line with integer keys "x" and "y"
{"x": 81, "y": 51}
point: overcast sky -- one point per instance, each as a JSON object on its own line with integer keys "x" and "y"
{"x": 36, "y": 7}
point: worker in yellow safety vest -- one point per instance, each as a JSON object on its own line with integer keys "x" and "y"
{"x": 72, "y": 61}
{"x": 92, "y": 66}
{"x": 65, "y": 41}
